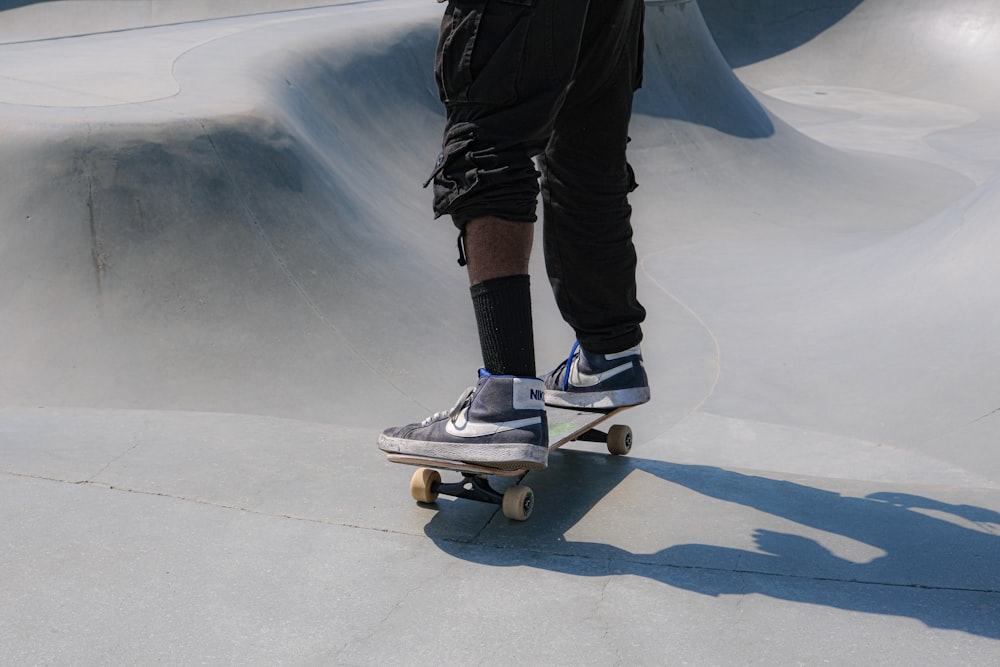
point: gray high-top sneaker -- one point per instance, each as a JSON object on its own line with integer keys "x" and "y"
{"x": 598, "y": 381}
{"x": 499, "y": 423}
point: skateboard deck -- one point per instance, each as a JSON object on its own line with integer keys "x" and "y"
{"x": 565, "y": 425}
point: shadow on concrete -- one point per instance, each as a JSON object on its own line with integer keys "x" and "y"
{"x": 938, "y": 564}
{"x": 754, "y": 30}
{"x": 14, "y": 4}
{"x": 687, "y": 78}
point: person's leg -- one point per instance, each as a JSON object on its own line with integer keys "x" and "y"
{"x": 498, "y": 252}
{"x": 589, "y": 254}
{"x": 496, "y": 248}
{"x": 502, "y": 87}
{"x": 586, "y": 179}
{"x": 503, "y": 68}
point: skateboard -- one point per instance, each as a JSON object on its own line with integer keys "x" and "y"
{"x": 517, "y": 501}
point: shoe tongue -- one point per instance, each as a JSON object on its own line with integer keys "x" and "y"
{"x": 462, "y": 401}
{"x": 585, "y": 362}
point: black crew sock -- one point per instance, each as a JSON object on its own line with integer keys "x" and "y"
{"x": 503, "y": 315}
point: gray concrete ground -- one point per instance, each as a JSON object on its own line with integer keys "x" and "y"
{"x": 221, "y": 280}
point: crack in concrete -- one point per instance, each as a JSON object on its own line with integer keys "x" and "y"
{"x": 132, "y": 448}
{"x": 606, "y": 637}
{"x": 200, "y": 501}
{"x": 986, "y": 416}
{"x": 634, "y": 561}
{"x": 401, "y": 601}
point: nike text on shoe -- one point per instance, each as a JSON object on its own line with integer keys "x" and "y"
{"x": 598, "y": 381}
{"x": 499, "y": 423}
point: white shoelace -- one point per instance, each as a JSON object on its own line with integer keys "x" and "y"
{"x": 462, "y": 400}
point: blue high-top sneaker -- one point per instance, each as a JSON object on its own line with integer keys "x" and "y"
{"x": 499, "y": 423}
{"x": 598, "y": 381}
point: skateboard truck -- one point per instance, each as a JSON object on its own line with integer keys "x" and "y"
{"x": 517, "y": 500}
{"x": 472, "y": 487}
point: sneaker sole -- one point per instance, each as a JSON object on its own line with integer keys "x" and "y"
{"x": 597, "y": 400}
{"x": 503, "y": 456}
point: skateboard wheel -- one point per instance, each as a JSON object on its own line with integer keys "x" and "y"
{"x": 423, "y": 485}
{"x": 518, "y": 501}
{"x": 619, "y": 440}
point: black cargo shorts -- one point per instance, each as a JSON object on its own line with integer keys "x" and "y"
{"x": 548, "y": 81}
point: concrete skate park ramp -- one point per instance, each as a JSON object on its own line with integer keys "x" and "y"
{"x": 222, "y": 279}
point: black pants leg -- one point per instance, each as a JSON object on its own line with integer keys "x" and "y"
{"x": 586, "y": 178}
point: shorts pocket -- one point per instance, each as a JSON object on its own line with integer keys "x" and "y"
{"x": 481, "y": 49}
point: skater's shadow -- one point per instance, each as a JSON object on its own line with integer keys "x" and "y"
{"x": 925, "y": 559}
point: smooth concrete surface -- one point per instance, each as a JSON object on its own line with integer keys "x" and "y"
{"x": 31, "y": 20}
{"x": 221, "y": 280}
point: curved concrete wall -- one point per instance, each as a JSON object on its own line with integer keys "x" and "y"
{"x": 27, "y": 20}
{"x": 234, "y": 221}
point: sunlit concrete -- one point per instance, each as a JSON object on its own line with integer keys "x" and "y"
{"x": 222, "y": 279}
